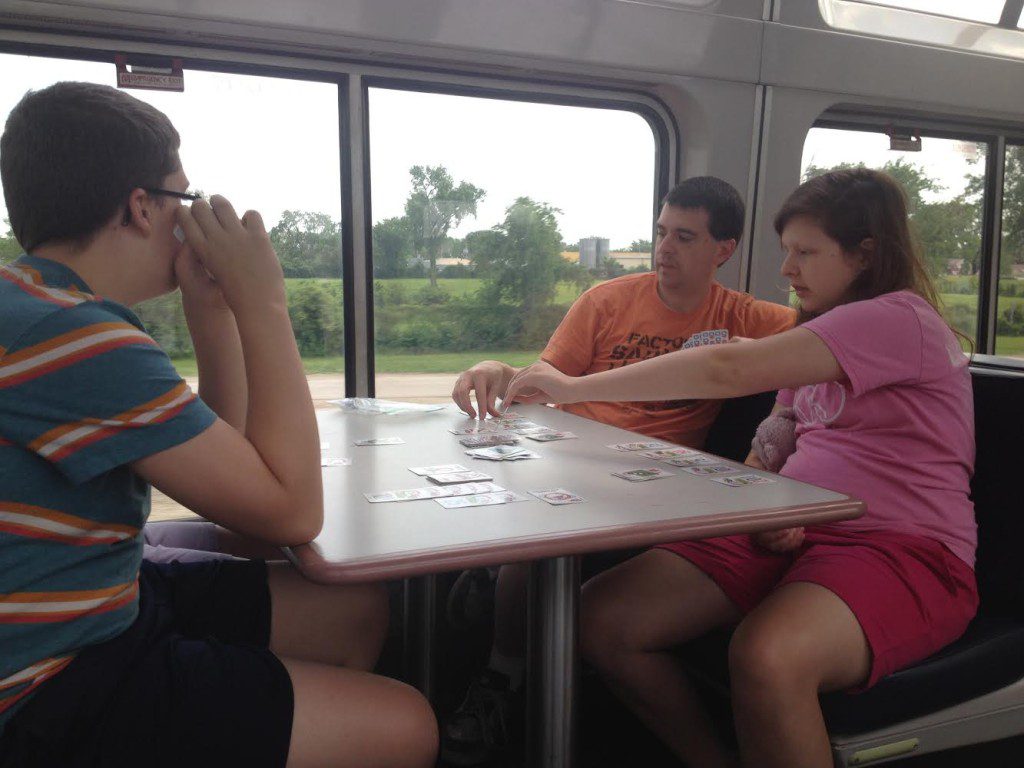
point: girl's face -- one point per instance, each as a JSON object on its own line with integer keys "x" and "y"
{"x": 816, "y": 265}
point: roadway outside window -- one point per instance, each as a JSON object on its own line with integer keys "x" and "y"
{"x": 490, "y": 217}
{"x": 944, "y": 183}
{"x": 1010, "y": 302}
{"x": 265, "y": 143}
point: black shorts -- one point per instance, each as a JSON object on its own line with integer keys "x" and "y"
{"x": 190, "y": 683}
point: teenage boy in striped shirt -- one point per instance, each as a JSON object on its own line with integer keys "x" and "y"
{"x": 103, "y": 657}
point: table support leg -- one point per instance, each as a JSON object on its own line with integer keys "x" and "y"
{"x": 420, "y": 632}
{"x": 553, "y": 662}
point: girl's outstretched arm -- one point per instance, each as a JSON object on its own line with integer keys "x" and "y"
{"x": 789, "y": 359}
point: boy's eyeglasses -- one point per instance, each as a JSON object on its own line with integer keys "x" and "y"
{"x": 192, "y": 196}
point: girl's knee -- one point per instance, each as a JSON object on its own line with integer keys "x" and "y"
{"x": 763, "y": 656}
{"x": 412, "y": 729}
{"x": 601, "y": 627}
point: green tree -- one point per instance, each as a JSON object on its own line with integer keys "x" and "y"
{"x": 638, "y": 246}
{"x": 392, "y": 247}
{"x": 435, "y": 205}
{"x": 520, "y": 259}
{"x": 9, "y": 247}
{"x": 308, "y": 244}
{"x": 1013, "y": 206}
{"x": 915, "y": 182}
{"x": 946, "y": 231}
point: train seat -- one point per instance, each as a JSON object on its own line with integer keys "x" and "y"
{"x": 973, "y": 690}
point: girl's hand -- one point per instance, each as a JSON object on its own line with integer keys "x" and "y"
{"x": 779, "y": 542}
{"x": 540, "y": 383}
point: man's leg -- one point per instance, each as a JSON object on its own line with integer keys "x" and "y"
{"x": 630, "y": 618}
{"x": 326, "y": 637}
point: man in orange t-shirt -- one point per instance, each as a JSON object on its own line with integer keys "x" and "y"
{"x": 640, "y": 316}
{"x": 615, "y": 323}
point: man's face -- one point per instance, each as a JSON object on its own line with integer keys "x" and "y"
{"x": 685, "y": 253}
{"x": 165, "y": 219}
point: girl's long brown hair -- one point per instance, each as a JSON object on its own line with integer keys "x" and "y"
{"x": 852, "y": 205}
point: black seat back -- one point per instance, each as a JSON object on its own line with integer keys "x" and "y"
{"x": 733, "y": 430}
{"x": 997, "y": 489}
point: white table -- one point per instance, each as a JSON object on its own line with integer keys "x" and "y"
{"x": 370, "y": 542}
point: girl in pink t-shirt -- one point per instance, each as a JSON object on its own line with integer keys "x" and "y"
{"x": 882, "y": 399}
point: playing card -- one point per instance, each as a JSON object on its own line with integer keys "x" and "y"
{"x": 326, "y": 461}
{"x": 438, "y": 469}
{"x": 667, "y": 453}
{"x": 472, "y": 429}
{"x": 737, "y": 481}
{"x": 465, "y": 476}
{"x": 558, "y": 496}
{"x": 689, "y": 461}
{"x": 705, "y": 338}
{"x": 524, "y": 454}
{"x": 432, "y": 492}
{"x": 710, "y": 469}
{"x": 545, "y": 437}
{"x": 529, "y": 428}
{"x": 380, "y": 441}
{"x": 640, "y": 475}
{"x": 480, "y": 500}
{"x": 652, "y": 446}
{"x": 482, "y": 441}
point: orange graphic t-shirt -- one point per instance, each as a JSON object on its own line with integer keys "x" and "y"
{"x": 623, "y": 321}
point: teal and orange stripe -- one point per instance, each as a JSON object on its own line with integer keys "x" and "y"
{"x": 41, "y": 523}
{"x": 57, "y": 607}
{"x": 60, "y": 442}
{"x": 67, "y": 349}
{"x": 31, "y": 282}
{"x": 19, "y": 685}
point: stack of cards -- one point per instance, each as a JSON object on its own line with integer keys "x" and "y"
{"x": 558, "y": 496}
{"x": 468, "y": 476}
{"x": 640, "y": 475}
{"x": 502, "y": 453}
{"x": 650, "y": 446}
{"x": 480, "y": 500}
{"x": 483, "y": 441}
{"x": 711, "y": 469}
{"x": 438, "y": 469}
{"x": 705, "y": 338}
{"x": 433, "y": 492}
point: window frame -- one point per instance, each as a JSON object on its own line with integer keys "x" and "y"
{"x": 995, "y": 137}
{"x": 353, "y": 79}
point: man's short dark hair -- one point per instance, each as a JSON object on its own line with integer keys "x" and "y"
{"x": 719, "y": 198}
{"x": 71, "y": 153}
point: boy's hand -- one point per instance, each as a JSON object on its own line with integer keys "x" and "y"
{"x": 487, "y": 379}
{"x": 236, "y": 252}
{"x": 200, "y": 293}
{"x": 540, "y": 383}
{"x": 779, "y": 542}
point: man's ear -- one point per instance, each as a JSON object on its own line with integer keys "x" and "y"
{"x": 726, "y": 248}
{"x": 137, "y": 212}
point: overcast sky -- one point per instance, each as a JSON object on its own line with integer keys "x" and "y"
{"x": 272, "y": 144}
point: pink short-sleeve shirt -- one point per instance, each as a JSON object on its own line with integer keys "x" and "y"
{"x": 898, "y": 432}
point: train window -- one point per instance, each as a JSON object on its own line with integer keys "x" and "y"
{"x": 490, "y": 217}
{"x": 1010, "y": 301}
{"x": 265, "y": 143}
{"x": 987, "y": 11}
{"x": 944, "y": 182}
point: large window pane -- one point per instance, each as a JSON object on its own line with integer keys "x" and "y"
{"x": 944, "y": 183}
{"x": 266, "y": 143}
{"x": 987, "y": 11}
{"x": 1010, "y": 303}
{"x": 490, "y": 218}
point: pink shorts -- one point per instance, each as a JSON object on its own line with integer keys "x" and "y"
{"x": 911, "y": 595}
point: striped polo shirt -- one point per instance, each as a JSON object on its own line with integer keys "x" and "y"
{"x": 84, "y": 391}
